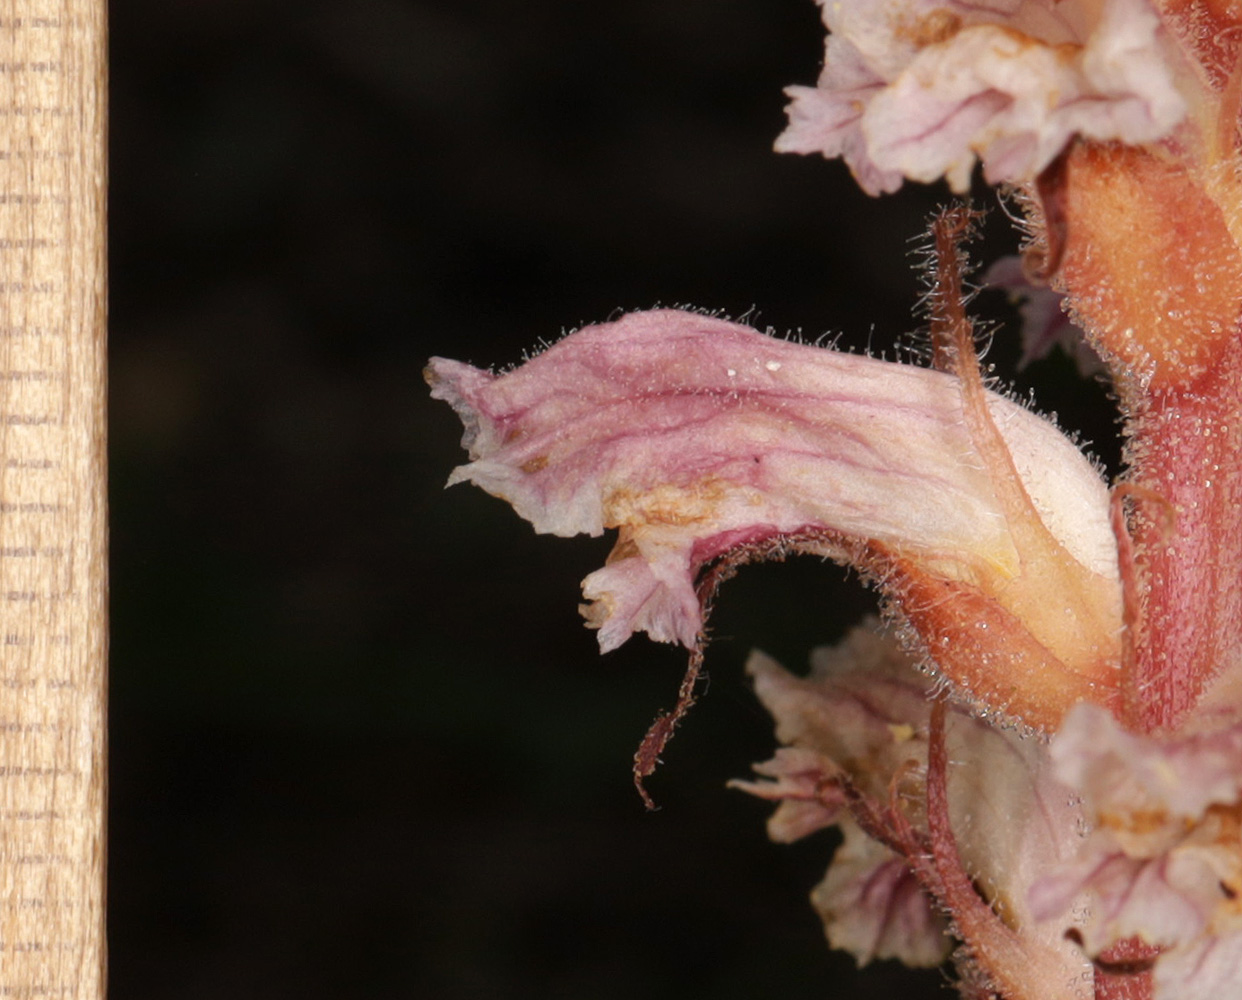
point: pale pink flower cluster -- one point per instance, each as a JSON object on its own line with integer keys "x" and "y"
{"x": 1036, "y": 764}
{"x": 921, "y": 89}
{"x": 856, "y": 734}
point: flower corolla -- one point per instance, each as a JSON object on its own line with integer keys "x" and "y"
{"x": 921, "y": 89}
{"x": 863, "y": 749}
{"x": 695, "y": 438}
{"x": 1163, "y": 863}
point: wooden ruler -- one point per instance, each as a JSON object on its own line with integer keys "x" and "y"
{"x": 53, "y": 583}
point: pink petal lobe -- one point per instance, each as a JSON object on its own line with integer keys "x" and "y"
{"x": 1209, "y": 970}
{"x": 863, "y": 707}
{"x": 806, "y": 784}
{"x": 858, "y": 723}
{"x": 826, "y": 119}
{"x": 873, "y": 906}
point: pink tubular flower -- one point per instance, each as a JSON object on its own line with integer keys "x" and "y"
{"x": 696, "y": 437}
{"x": 919, "y": 89}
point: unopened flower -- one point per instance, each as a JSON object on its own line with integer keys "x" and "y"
{"x": 1045, "y": 325}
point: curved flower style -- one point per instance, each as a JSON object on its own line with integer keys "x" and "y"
{"x": 919, "y": 89}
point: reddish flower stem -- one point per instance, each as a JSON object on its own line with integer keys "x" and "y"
{"x": 1186, "y": 446}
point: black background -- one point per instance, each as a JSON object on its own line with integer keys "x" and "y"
{"x": 361, "y": 745}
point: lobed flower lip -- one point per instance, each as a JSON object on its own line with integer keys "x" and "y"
{"x": 873, "y": 906}
{"x": 861, "y": 722}
{"x": 921, "y": 89}
{"x": 1163, "y": 862}
{"x": 696, "y": 437}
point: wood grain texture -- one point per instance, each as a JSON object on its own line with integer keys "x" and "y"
{"x": 53, "y": 585}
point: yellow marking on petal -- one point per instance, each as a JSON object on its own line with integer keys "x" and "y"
{"x": 902, "y": 732}
{"x": 666, "y": 504}
{"x": 938, "y": 26}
